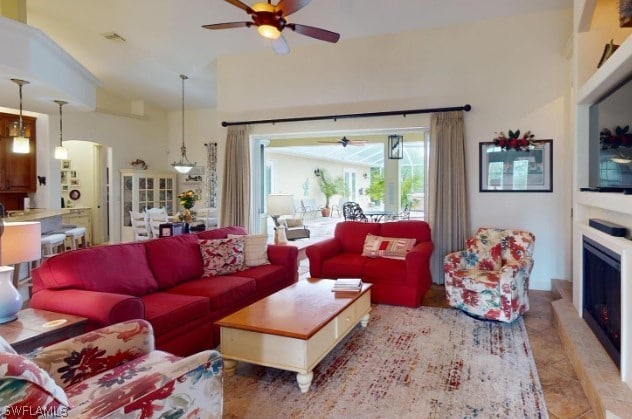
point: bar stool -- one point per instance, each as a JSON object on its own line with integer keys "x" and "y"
{"x": 77, "y": 237}
{"x": 53, "y": 244}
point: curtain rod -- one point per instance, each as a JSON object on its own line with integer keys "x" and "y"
{"x": 465, "y": 108}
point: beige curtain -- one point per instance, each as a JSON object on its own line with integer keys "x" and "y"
{"x": 448, "y": 212}
{"x": 235, "y": 204}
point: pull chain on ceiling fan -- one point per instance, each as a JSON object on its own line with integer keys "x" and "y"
{"x": 270, "y": 21}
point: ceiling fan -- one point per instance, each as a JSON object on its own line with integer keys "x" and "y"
{"x": 344, "y": 141}
{"x": 270, "y": 20}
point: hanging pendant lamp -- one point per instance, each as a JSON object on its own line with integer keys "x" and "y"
{"x": 61, "y": 152}
{"x": 184, "y": 165}
{"x": 21, "y": 143}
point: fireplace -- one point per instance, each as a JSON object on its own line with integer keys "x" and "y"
{"x": 602, "y": 295}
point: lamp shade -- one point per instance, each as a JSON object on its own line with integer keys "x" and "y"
{"x": 20, "y": 242}
{"x": 21, "y": 145}
{"x": 280, "y": 204}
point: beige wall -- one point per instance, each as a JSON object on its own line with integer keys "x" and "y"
{"x": 512, "y": 70}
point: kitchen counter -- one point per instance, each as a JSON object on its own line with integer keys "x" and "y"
{"x": 51, "y": 219}
{"x": 36, "y": 214}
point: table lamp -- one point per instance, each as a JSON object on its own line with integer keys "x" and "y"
{"x": 280, "y": 204}
{"x": 19, "y": 242}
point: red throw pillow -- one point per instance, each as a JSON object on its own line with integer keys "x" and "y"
{"x": 387, "y": 247}
{"x": 222, "y": 256}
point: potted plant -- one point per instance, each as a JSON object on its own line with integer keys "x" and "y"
{"x": 329, "y": 187}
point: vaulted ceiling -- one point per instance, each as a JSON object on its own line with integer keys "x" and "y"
{"x": 164, "y": 38}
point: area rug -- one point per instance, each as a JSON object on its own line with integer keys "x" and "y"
{"x": 408, "y": 363}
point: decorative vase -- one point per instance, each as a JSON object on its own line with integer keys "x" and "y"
{"x": 10, "y": 298}
{"x": 187, "y": 228}
{"x": 325, "y": 212}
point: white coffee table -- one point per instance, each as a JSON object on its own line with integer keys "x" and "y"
{"x": 293, "y": 329}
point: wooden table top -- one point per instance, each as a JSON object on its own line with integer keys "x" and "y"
{"x": 298, "y": 311}
{"x": 32, "y": 323}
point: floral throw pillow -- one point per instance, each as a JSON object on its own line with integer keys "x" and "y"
{"x": 255, "y": 249}
{"x": 222, "y": 256}
{"x": 387, "y": 247}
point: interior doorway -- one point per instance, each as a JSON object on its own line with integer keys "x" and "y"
{"x": 86, "y": 182}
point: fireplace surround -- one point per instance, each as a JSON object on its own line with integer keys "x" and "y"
{"x": 602, "y": 296}
{"x": 620, "y": 247}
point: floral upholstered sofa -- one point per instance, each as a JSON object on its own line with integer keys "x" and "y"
{"x": 490, "y": 278}
{"x": 113, "y": 372}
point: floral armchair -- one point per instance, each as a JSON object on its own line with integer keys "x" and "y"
{"x": 490, "y": 278}
{"x": 112, "y": 372}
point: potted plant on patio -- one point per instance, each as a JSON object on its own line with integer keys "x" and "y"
{"x": 329, "y": 187}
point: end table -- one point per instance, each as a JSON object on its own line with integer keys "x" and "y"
{"x": 34, "y": 328}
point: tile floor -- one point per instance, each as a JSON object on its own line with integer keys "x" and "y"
{"x": 562, "y": 390}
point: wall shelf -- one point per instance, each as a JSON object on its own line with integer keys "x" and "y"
{"x": 617, "y": 202}
{"x": 614, "y": 71}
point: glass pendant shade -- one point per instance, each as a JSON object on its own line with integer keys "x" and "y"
{"x": 21, "y": 143}
{"x": 183, "y": 166}
{"x": 61, "y": 152}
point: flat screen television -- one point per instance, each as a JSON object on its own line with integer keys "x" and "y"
{"x": 610, "y": 140}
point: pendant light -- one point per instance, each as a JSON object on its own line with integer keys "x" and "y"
{"x": 184, "y": 165}
{"x": 21, "y": 143}
{"x": 61, "y": 152}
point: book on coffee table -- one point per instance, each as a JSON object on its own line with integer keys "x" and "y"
{"x": 347, "y": 285}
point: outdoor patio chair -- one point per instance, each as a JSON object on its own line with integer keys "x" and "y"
{"x": 309, "y": 207}
{"x": 352, "y": 211}
{"x": 404, "y": 215}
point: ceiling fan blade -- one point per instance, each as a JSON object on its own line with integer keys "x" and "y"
{"x": 280, "y": 46}
{"x": 228, "y": 25}
{"x": 318, "y": 33}
{"x": 287, "y": 7}
{"x": 241, "y": 5}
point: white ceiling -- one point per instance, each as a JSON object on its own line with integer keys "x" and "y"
{"x": 165, "y": 38}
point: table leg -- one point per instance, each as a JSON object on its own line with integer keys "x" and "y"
{"x": 304, "y": 381}
{"x": 229, "y": 367}
{"x": 364, "y": 321}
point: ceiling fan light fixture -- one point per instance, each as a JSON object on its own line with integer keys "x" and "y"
{"x": 268, "y": 31}
{"x": 183, "y": 166}
{"x": 21, "y": 144}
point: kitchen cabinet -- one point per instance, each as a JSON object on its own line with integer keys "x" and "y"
{"x": 142, "y": 190}
{"x": 17, "y": 171}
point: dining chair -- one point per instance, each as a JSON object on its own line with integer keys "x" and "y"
{"x": 156, "y": 216}
{"x": 140, "y": 225}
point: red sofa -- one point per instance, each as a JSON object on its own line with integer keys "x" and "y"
{"x": 397, "y": 282}
{"x": 160, "y": 281}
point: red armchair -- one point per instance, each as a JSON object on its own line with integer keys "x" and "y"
{"x": 402, "y": 281}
